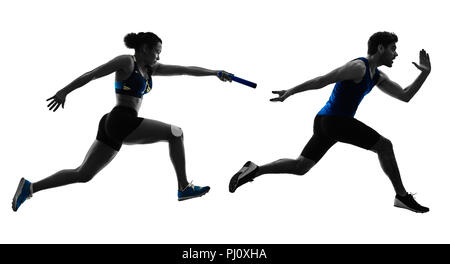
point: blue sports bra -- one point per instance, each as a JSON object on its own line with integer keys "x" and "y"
{"x": 136, "y": 85}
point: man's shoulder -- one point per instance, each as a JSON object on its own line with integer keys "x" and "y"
{"x": 357, "y": 66}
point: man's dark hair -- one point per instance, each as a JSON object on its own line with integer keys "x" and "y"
{"x": 384, "y": 38}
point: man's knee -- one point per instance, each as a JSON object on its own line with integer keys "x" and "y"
{"x": 303, "y": 165}
{"x": 84, "y": 176}
{"x": 383, "y": 145}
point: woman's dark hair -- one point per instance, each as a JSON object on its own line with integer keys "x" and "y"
{"x": 135, "y": 41}
{"x": 384, "y": 38}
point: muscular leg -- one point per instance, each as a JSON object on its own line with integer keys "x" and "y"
{"x": 299, "y": 166}
{"x": 388, "y": 163}
{"x": 98, "y": 156}
{"x": 353, "y": 131}
{"x": 151, "y": 131}
{"x": 314, "y": 150}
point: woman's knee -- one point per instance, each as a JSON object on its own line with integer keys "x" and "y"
{"x": 176, "y": 132}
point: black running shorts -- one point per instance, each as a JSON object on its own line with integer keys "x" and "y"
{"x": 115, "y": 126}
{"x": 330, "y": 129}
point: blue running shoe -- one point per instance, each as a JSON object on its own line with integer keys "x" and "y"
{"x": 23, "y": 192}
{"x": 192, "y": 191}
{"x": 244, "y": 175}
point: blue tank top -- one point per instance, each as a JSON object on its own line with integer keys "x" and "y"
{"x": 347, "y": 95}
{"x": 136, "y": 85}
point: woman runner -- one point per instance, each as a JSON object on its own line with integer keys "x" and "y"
{"x": 133, "y": 79}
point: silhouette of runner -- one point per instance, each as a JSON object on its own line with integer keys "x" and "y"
{"x": 335, "y": 122}
{"x": 133, "y": 79}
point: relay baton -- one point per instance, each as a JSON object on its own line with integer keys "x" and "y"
{"x": 239, "y": 80}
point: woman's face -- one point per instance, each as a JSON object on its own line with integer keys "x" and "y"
{"x": 151, "y": 54}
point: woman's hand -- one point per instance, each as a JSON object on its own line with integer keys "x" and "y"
{"x": 57, "y": 100}
{"x": 224, "y": 76}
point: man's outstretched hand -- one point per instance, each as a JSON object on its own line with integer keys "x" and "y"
{"x": 424, "y": 62}
{"x": 282, "y": 95}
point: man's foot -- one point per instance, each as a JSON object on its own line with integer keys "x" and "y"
{"x": 408, "y": 202}
{"x": 192, "y": 191}
{"x": 244, "y": 175}
{"x": 23, "y": 192}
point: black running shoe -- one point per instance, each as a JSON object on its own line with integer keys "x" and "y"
{"x": 244, "y": 175}
{"x": 408, "y": 202}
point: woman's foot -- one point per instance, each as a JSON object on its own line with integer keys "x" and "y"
{"x": 192, "y": 191}
{"x": 23, "y": 192}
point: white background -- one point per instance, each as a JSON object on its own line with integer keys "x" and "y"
{"x": 346, "y": 198}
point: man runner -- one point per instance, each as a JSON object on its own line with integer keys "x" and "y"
{"x": 335, "y": 121}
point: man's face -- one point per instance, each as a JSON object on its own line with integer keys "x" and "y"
{"x": 388, "y": 55}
